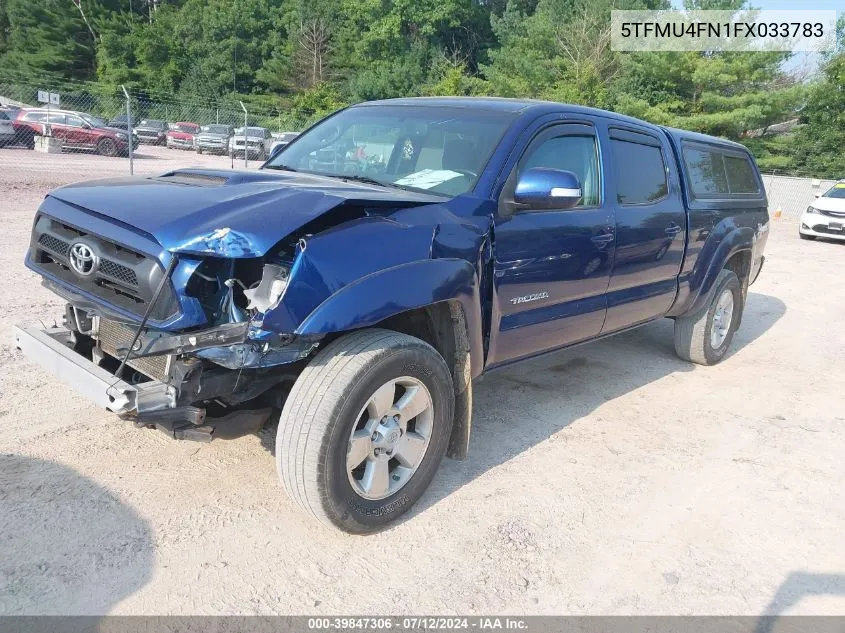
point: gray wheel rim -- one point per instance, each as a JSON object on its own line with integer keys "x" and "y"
{"x": 722, "y": 317}
{"x": 390, "y": 438}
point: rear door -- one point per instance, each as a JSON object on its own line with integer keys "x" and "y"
{"x": 58, "y": 126}
{"x": 552, "y": 267}
{"x": 650, "y": 227}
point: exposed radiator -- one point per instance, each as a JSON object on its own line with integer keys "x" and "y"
{"x": 114, "y": 336}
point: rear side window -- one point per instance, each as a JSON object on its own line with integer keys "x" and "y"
{"x": 706, "y": 171}
{"x": 640, "y": 172}
{"x": 741, "y": 176}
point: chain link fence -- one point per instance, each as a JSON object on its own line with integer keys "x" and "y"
{"x": 89, "y": 120}
{"x": 790, "y": 195}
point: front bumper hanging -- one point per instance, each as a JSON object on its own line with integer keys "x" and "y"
{"x": 51, "y": 349}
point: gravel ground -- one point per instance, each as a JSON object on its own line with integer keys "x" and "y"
{"x": 609, "y": 479}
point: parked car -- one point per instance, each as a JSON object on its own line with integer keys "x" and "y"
{"x": 121, "y": 122}
{"x": 280, "y": 139}
{"x": 826, "y": 216}
{"x": 213, "y": 138}
{"x": 8, "y": 136}
{"x": 152, "y": 131}
{"x": 181, "y": 135}
{"x": 257, "y": 139}
{"x": 77, "y": 130}
{"x": 445, "y": 238}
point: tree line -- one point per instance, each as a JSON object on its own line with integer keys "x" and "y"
{"x": 312, "y": 56}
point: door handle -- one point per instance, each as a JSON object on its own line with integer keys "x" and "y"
{"x": 602, "y": 240}
{"x": 673, "y": 230}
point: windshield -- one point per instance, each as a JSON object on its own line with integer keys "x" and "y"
{"x": 251, "y": 131}
{"x": 437, "y": 149}
{"x": 152, "y": 123}
{"x": 94, "y": 120}
{"x": 184, "y": 127}
{"x": 837, "y": 191}
{"x": 215, "y": 129}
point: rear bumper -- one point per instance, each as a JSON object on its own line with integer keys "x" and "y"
{"x": 50, "y": 349}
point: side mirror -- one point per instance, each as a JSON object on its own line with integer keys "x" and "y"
{"x": 544, "y": 188}
{"x": 818, "y": 194}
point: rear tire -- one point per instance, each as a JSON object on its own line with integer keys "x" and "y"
{"x": 346, "y": 404}
{"x": 704, "y": 338}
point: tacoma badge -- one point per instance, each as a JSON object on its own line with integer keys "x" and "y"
{"x": 532, "y": 297}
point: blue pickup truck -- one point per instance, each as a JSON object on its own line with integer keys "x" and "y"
{"x": 356, "y": 284}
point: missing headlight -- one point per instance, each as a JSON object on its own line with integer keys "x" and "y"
{"x": 269, "y": 291}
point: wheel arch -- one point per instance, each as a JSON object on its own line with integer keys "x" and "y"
{"x": 732, "y": 250}
{"x": 436, "y": 301}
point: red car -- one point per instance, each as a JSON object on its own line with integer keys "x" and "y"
{"x": 78, "y": 130}
{"x": 182, "y": 135}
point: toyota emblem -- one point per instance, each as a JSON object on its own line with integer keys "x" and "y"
{"x": 82, "y": 259}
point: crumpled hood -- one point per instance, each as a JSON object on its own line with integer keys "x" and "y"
{"x": 227, "y": 213}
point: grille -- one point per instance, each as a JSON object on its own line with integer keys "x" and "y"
{"x": 119, "y": 272}
{"x": 832, "y": 214}
{"x": 822, "y": 228}
{"x": 107, "y": 266}
{"x": 125, "y": 278}
{"x": 54, "y": 244}
{"x": 113, "y": 336}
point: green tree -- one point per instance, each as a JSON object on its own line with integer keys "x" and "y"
{"x": 819, "y": 143}
{"x": 59, "y": 39}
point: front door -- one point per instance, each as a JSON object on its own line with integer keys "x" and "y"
{"x": 77, "y": 134}
{"x": 650, "y": 228}
{"x": 552, "y": 267}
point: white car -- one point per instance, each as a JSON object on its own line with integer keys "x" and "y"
{"x": 7, "y": 130}
{"x": 280, "y": 139}
{"x": 256, "y": 144}
{"x": 825, "y": 217}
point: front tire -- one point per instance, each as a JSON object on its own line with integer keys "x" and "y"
{"x": 364, "y": 429}
{"x": 704, "y": 338}
{"x": 107, "y": 147}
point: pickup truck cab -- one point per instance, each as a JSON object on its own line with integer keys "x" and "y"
{"x": 362, "y": 278}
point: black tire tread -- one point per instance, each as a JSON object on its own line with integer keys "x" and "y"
{"x": 307, "y": 417}
{"x": 691, "y": 331}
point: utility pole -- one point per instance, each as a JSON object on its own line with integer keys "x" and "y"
{"x": 129, "y": 129}
{"x": 246, "y": 121}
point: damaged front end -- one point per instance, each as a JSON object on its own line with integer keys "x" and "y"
{"x": 221, "y": 380}
{"x": 202, "y": 336}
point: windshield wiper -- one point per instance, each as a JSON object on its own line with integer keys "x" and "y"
{"x": 281, "y": 167}
{"x": 366, "y": 180}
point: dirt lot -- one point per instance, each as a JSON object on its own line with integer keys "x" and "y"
{"x": 612, "y": 478}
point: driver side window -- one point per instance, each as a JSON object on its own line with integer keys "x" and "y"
{"x": 575, "y": 153}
